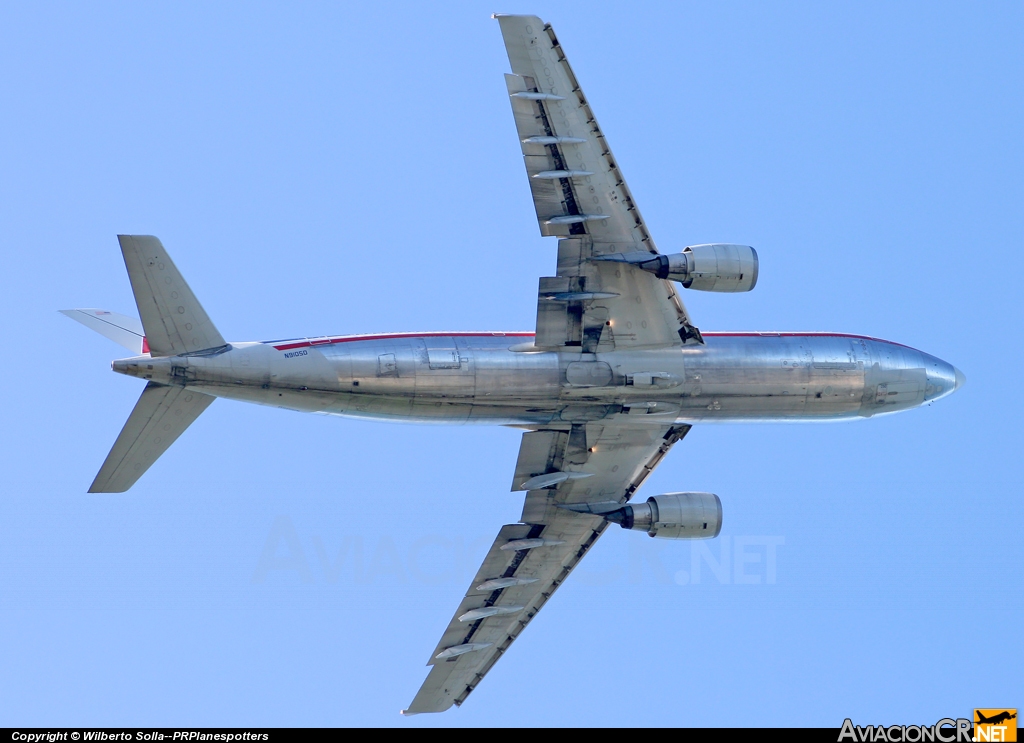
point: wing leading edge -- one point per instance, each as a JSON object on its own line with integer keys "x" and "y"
{"x": 529, "y": 561}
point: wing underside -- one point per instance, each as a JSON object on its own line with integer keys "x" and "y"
{"x": 581, "y": 196}
{"x": 591, "y": 463}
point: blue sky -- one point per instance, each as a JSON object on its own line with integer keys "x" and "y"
{"x": 323, "y": 168}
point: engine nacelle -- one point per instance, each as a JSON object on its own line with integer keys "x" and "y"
{"x": 716, "y": 267}
{"x": 673, "y": 516}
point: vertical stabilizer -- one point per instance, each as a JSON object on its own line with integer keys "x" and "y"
{"x": 159, "y": 417}
{"x": 174, "y": 321}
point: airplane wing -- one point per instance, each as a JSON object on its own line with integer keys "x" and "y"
{"x": 593, "y": 463}
{"x": 581, "y": 196}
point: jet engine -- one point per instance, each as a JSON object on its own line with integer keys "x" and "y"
{"x": 673, "y": 516}
{"x": 716, "y": 267}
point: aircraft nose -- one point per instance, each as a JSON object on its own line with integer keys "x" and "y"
{"x": 943, "y": 379}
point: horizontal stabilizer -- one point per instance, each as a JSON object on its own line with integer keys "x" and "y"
{"x": 174, "y": 321}
{"x": 159, "y": 418}
{"x": 123, "y": 330}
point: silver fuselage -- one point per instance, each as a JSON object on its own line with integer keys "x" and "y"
{"x": 500, "y": 378}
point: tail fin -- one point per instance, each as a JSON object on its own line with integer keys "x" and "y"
{"x": 172, "y": 317}
{"x": 123, "y": 330}
{"x": 159, "y": 418}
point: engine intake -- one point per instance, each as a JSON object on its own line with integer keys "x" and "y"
{"x": 673, "y": 516}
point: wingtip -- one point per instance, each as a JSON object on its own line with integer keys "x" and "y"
{"x": 105, "y": 489}
{"x": 407, "y": 713}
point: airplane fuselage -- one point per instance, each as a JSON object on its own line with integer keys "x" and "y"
{"x": 501, "y": 378}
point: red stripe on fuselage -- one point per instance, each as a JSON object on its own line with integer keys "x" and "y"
{"x": 710, "y": 334}
{"x": 393, "y": 336}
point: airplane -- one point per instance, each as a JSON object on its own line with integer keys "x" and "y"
{"x": 1003, "y": 716}
{"x": 612, "y": 377}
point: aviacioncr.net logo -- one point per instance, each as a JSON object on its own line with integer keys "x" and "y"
{"x": 946, "y": 730}
{"x": 995, "y": 725}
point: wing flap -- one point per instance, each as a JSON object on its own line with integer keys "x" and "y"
{"x": 540, "y": 66}
{"x": 451, "y": 680}
{"x": 494, "y": 566}
{"x": 537, "y": 453}
{"x": 548, "y": 193}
